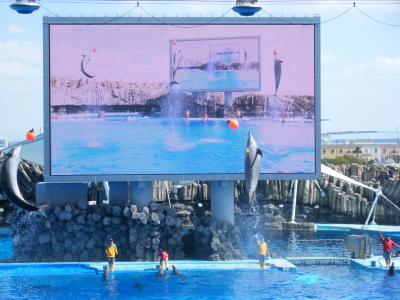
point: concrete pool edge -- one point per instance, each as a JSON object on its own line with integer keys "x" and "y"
{"x": 360, "y": 227}
{"x": 275, "y": 263}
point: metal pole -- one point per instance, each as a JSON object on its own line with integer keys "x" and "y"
{"x": 378, "y": 193}
{"x": 294, "y": 199}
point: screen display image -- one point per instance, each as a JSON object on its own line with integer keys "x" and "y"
{"x": 226, "y": 64}
{"x": 148, "y": 99}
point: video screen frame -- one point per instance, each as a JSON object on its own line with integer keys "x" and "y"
{"x": 219, "y": 39}
{"x": 48, "y": 21}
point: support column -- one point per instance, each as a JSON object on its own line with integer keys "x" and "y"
{"x": 228, "y": 99}
{"x": 118, "y": 193}
{"x": 223, "y": 201}
{"x": 294, "y": 200}
{"x": 142, "y": 192}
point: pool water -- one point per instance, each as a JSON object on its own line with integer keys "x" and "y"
{"x": 281, "y": 243}
{"x": 195, "y": 79}
{"x": 5, "y": 244}
{"x": 318, "y": 282}
{"x": 66, "y": 281}
{"x": 177, "y": 146}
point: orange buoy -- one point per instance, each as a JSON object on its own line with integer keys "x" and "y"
{"x": 31, "y": 135}
{"x": 233, "y": 124}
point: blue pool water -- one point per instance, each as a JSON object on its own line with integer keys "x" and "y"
{"x": 5, "y": 244}
{"x": 318, "y": 282}
{"x": 60, "y": 281}
{"x": 177, "y": 146}
{"x": 195, "y": 79}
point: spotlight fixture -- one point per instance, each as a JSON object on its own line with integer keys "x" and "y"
{"x": 25, "y": 6}
{"x": 246, "y": 8}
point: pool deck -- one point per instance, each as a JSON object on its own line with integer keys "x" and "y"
{"x": 275, "y": 263}
{"x": 361, "y": 227}
{"x": 374, "y": 263}
{"x": 188, "y": 265}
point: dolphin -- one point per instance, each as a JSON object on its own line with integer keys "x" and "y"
{"x": 106, "y": 190}
{"x": 252, "y": 162}
{"x": 8, "y": 175}
{"x": 391, "y": 270}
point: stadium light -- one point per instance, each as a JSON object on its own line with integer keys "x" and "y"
{"x": 246, "y": 8}
{"x": 25, "y": 6}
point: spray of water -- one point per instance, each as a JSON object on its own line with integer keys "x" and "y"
{"x": 173, "y": 106}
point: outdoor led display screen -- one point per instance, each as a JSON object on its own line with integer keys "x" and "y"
{"x": 153, "y": 100}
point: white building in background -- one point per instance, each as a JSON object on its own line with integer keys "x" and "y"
{"x": 3, "y": 142}
{"x": 377, "y": 146}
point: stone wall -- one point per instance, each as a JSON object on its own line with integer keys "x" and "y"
{"x": 80, "y": 232}
{"x": 342, "y": 202}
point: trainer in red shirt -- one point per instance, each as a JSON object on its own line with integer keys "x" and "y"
{"x": 387, "y": 244}
{"x": 163, "y": 259}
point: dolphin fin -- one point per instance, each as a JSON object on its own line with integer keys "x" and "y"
{"x": 258, "y": 152}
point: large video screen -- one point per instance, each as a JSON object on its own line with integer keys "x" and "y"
{"x": 162, "y": 99}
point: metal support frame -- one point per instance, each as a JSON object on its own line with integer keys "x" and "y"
{"x": 373, "y": 207}
{"x": 294, "y": 200}
{"x": 228, "y": 99}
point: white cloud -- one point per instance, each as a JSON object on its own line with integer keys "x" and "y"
{"x": 390, "y": 63}
{"x": 13, "y": 28}
{"x": 18, "y": 69}
{"x": 379, "y": 66}
{"x": 20, "y": 51}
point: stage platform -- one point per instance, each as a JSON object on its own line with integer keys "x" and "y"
{"x": 358, "y": 227}
{"x": 374, "y": 263}
{"x": 193, "y": 265}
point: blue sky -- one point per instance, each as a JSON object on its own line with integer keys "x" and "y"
{"x": 360, "y": 60}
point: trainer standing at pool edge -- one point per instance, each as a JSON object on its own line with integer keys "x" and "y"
{"x": 111, "y": 252}
{"x": 262, "y": 252}
{"x": 387, "y": 244}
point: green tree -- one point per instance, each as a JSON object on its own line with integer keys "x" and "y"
{"x": 357, "y": 151}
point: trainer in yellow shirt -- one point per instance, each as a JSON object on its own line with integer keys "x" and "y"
{"x": 262, "y": 252}
{"x": 111, "y": 252}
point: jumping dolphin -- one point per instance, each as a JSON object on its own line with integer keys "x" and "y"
{"x": 252, "y": 162}
{"x": 83, "y": 63}
{"x": 277, "y": 71}
{"x": 106, "y": 190}
{"x": 8, "y": 174}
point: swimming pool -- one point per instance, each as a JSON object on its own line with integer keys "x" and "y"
{"x": 318, "y": 282}
{"x": 176, "y": 146}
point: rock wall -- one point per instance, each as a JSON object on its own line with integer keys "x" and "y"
{"x": 214, "y": 240}
{"x": 80, "y": 232}
{"x": 340, "y": 201}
